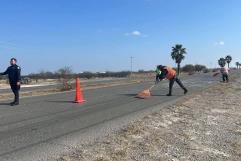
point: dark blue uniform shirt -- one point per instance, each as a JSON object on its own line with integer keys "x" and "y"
{"x": 14, "y": 74}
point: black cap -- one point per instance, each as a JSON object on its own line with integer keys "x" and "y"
{"x": 160, "y": 67}
{"x": 14, "y": 59}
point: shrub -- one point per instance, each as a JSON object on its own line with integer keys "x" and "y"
{"x": 189, "y": 68}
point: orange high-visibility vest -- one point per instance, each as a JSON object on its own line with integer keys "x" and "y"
{"x": 171, "y": 72}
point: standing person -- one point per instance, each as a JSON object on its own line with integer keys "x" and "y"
{"x": 225, "y": 73}
{"x": 14, "y": 75}
{"x": 170, "y": 74}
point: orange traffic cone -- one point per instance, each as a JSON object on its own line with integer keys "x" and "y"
{"x": 79, "y": 96}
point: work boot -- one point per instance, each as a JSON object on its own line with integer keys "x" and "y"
{"x": 14, "y": 103}
{"x": 185, "y": 91}
{"x": 169, "y": 94}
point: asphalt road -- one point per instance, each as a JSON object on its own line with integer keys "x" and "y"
{"x": 43, "y": 127}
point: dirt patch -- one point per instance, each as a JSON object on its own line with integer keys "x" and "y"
{"x": 204, "y": 127}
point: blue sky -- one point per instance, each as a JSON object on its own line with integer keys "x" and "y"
{"x": 100, "y": 35}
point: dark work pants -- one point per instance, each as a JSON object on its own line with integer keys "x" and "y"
{"x": 225, "y": 78}
{"x": 15, "y": 88}
{"x": 171, "y": 83}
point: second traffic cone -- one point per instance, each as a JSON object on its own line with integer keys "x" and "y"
{"x": 79, "y": 96}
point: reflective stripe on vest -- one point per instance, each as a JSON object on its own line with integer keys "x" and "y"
{"x": 171, "y": 72}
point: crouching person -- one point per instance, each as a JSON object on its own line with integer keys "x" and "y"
{"x": 170, "y": 74}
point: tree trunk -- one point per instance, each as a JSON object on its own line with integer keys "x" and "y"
{"x": 228, "y": 65}
{"x": 178, "y": 69}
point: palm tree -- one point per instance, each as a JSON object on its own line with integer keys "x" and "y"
{"x": 178, "y": 54}
{"x": 222, "y": 62}
{"x": 237, "y": 64}
{"x": 228, "y": 59}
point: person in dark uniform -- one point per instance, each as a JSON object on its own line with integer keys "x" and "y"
{"x": 165, "y": 72}
{"x": 14, "y": 75}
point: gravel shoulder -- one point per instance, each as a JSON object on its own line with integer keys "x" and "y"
{"x": 203, "y": 127}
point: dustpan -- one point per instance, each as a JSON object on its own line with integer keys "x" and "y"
{"x": 145, "y": 94}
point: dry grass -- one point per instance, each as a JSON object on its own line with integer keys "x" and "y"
{"x": 204, "y": 127}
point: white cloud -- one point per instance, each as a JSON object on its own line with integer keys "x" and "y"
{"x": 135, "y": 33}
{"x": 221, "y": 43}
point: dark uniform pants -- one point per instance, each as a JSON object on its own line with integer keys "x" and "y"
{"x": 15, "y": 88}
{"x": 225, "y": 77}
{"x": 171, "y": 83}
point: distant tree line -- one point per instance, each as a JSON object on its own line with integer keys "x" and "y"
{"x": 67, "y": 73}
{"x": 189, "y": 68}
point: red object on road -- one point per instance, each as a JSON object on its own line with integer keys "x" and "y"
{"x": 79, "y": 98}
{"x": 144, "y": 94}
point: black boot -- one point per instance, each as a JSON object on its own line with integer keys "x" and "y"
{"x": 14, "y": 103}
{"x": 16, "y": 99}
{"x": 185, "y": 91}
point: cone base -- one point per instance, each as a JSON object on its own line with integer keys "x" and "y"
{"x": 79, "y": 102}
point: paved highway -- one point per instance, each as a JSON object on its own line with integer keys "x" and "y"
{"x": 43, "y": 127}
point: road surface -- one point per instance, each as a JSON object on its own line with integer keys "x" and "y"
{"x": 43, "y": 127}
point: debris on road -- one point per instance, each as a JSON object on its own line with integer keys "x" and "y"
{"x": 145, "y": 94}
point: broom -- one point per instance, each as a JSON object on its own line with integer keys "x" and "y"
{"x": 216, "y": 74}
{"x": 146, "y": 93}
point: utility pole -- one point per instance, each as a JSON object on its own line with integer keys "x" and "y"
{"x": 131, "y": 65}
